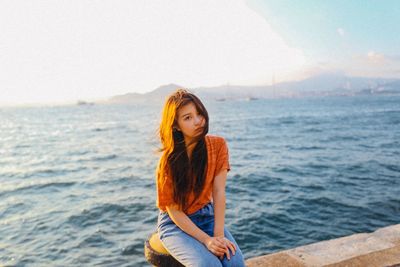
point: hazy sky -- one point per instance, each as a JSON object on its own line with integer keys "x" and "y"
{"x": 54, "y": 51}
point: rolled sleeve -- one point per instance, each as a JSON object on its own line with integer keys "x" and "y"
{"x": 164, "y": 191}
{"x": 222, "y": 158}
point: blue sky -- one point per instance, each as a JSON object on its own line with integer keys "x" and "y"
{"x": 56, "y": 51}
{"x": 337, "y": 30}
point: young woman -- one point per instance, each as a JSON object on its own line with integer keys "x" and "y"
{"x": 191, "y": 177}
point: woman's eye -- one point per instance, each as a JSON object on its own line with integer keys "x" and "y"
{"x": 186, "y": 118}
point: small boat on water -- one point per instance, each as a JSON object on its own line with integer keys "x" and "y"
{"x": 251, "y": 98}
{"x": 84, "y": 103}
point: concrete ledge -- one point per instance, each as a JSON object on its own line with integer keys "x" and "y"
{"x": 380, "y": 248}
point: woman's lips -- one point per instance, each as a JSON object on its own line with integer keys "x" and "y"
{"x": 200, "y": 129}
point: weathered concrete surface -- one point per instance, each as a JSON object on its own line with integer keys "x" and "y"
{"x": 276, "y": 259}
{"x": 380, "y": 248}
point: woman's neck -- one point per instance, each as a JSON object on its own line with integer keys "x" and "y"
{"x": 189, "y": 148}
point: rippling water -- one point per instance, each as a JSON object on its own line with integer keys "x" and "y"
{"x": 77, "y": 184}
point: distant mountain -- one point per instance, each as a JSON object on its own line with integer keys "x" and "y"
{"x": 126, "y": 98}
{"x": 319, "y": 85}
{"x": 158, "y": 93}
{"x": 163, "y": 91}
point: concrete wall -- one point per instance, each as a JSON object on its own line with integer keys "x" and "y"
{"x": 380, "y": 248}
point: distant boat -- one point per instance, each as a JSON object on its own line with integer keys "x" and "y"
{"x": 221, "y": 99}
{"x": 84, "y": 103}
{"x": 251, "y": 98}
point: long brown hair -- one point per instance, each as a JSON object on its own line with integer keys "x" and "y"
{"x": 188, "y": 176}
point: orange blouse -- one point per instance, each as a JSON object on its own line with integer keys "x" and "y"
{"x": 217, "y": 160}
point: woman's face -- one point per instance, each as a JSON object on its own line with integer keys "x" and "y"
{"x": 190, "y": 121}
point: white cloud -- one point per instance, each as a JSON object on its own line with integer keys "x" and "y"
{"x": 372, "y": 64}
{"x": 340, "y": 31}
{"x": 64, "y": 50}
{"x": 375, "y": 57}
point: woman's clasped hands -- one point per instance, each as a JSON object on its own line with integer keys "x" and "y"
{"x": 220, "y": 245}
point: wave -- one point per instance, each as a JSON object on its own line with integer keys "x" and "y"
{"x": 95, "y": 240}
{"x": 104, "y": 213}
{"x": 37, "y": 188}
{"x": 103, "y": 158}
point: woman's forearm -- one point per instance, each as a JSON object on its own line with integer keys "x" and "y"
{"x": 184, "y": 223}
{"x": 219, "y": 212}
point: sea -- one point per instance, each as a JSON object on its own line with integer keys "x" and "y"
{"x": 77, "y": 184}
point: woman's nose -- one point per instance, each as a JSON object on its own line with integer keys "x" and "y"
{"x": 198, "y": 120}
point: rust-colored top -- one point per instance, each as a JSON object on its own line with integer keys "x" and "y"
{"x": 217, "y": 160}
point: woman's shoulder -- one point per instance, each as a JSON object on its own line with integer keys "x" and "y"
{"x": 215, "y": 139}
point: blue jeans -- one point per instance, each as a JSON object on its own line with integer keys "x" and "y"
{"x": 188, "y": 250}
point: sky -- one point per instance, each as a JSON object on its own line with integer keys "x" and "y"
{"x": 57, "y": 51}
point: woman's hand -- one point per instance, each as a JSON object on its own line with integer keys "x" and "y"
{"x": 229, "y": 246}
{"x": 220, "y": 246}
{"x": 216, "y": 245}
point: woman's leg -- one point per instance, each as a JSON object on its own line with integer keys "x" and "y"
{"x": 236, "y": 260}
{"x": 187, "y": 250}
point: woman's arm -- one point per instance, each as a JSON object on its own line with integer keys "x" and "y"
{"x": 215, "y": 245}
{"x": 219, "y": 211}
{"x": 183, "y": 222}
{"x": 219, "y": 202}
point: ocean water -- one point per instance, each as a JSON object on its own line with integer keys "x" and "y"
{"x": 77, "y": 182}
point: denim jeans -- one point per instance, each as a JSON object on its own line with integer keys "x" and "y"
{"x": 188, "y": 250}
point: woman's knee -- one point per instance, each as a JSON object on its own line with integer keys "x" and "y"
{"x": 236, "y": 260}
{"x": 207, "y": 263}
